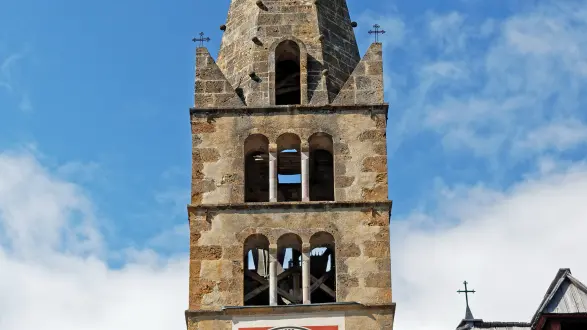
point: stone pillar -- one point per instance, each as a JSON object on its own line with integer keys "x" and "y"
{"x": 305, "y": 176}
{"x": 273, "y": 176}
{"x": 306, "y": 279}
{"x": 273, "y": 283}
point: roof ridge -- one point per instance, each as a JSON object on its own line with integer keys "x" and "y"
{"x": 576, "y": 282}
{"x": 561, "y": 275}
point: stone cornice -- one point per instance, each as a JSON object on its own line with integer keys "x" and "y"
{"x": 288, "y": 309}
{"x": 291, "y": 205}
{"x": 289, "y": 109}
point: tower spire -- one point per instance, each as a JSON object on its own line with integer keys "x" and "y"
{"x": 322, "y": 29}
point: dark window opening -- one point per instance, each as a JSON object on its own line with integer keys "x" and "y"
{"x": 287, "y": 74}
{"x": 256, "y": 169}
{"x": 289, "y": 168}
{"x": 322, "y": 268}
{"x": 577, "y": 324}
{"x": 289, "y": 256}
{"x": 321, "y": 168}
{"x": 256, "y": 273}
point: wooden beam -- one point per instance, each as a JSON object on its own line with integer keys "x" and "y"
{"x": 256, "y": 292}
{"x": 265, "y": 284}
{"x": 288, "y": 296}
{"x": 318, "y": 282}
{"x": 324, "y": 287}
{"x": 256, "y": 277}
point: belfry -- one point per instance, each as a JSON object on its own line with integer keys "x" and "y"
{"x": 289, "y": 213}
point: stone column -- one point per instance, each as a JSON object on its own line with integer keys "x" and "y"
{"x": 273, "y": 176}
{"x": 306, "y": 279}
{"x": 273, "y": 283}
{"x": 305, "y": 176}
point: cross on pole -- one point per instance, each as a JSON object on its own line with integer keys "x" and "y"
{"x": 466, "y": 292}
{"x": 376, "y": 32}
{"x": 201, "y": 39}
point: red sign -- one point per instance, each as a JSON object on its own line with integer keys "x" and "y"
{"x": 314, "y": 327}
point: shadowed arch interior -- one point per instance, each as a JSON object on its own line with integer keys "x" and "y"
{"x": 289, "y": 256}
{"x": 321, "y": 167}
{"x": 256, "y": 265}
{"x": 289, "y": 168}
{"x": 287, "y": 73}
{"x": 323, "y": 268}
{"x": 256, "y": 154}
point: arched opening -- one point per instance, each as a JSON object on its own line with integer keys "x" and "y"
{"x": 287, "y": 73}
{"x": 322, "y": 268}
{"x": 289, "y": 168}
{"x": 256, "y": 151}
{"x": 321, "y": 167}
{"x": 256, "y": 264}
{"x": 289, "y": 256}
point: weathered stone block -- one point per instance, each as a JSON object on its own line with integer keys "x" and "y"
{"x": 380, "y": 148}
{"x": 211, "y": 84}
{"x": 369, "y": 96}
{"x": 381, "y": 178}
{"x": 344, "y": 181}
{"x": 215, "y": 86}
{"x": 215, "y": 270}
{"x": 347, "y": 250}
{"x": 347, "y": 281}
{"x": 233, "y": 252}
{"x": 375, "y": 164}
{"x": 203, "y": 186}
{"x": 203, "y": 127}
{"x": 375, "y": 194}
{"x": 365, "y": 85}
{"x": 378, "y": 280}
{"x": 372, "y": 135}
{"x": 205, "y": 155}
{"x": 377, "y": 249}
{"x": 208, "y": 252}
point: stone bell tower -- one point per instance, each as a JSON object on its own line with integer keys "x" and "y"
{"x": 289, "y": 215}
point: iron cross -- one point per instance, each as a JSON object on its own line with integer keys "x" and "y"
{"x": 377, "y": 32}
{"x": 466, "y": 292}
{"x": 201, "y": 39}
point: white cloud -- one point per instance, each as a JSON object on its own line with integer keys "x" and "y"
{"x": 6, "y": 67}
{"x": 494, "y": 80}
{"x": 55, "y": 284}
{"x": 8, "y": 82}
{"x": 559, "y": 136}
{"x": 508, "y": 245}
{"x": 447, "y": 30}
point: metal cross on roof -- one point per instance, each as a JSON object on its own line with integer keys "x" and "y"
{"x": 376, "y": 32}
{"x": 468, "y": 314}
{"x": 201, "y": 39}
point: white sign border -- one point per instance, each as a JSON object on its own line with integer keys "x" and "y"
{"x": 293, "y": 320}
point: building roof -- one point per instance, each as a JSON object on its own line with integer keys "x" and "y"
{"x": 479, "y": 324}
{"x": 566, "y": 295}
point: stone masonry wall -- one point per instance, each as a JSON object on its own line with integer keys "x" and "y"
{"x": 360, "y": 161}
{"x": 365, "y": 85}
{"x": 324, "y": 28}
{"x": 340, "y": 51}
{"x": 363, "y": 269}
{"x": 212, "y": 89}
{"x": 356, "y": 318}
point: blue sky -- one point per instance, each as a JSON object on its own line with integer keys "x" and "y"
{"x": 486, "y": 133}
{"x": 110, "y": 84}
